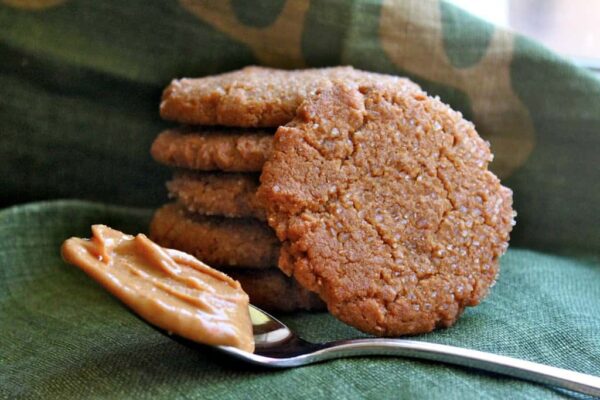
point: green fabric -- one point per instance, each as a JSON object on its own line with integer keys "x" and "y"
{"x": 64, "y": 337}
{"x": 81, "y": 82}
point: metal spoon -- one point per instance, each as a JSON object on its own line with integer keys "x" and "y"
{"x": 278, "y": 347}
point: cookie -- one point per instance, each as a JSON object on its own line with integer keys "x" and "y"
{"x": 255, "y": 96}
{"x": 271, "y": 290}
{"x": 386, "y": 208}
{"x": 233, "y": 150}
{"x": 231, "y": 195}
{"x": 219, "y": 242}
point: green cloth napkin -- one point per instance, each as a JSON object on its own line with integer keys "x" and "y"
{"x": 81, "y": 83}
{"x": 63, "y": 336}
{"x": 80, "y": 86}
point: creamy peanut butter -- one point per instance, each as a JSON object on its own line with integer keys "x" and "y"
{"x": 166, "y": 287}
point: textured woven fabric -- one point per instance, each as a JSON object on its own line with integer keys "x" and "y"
{"x": 63, "y": 336}
{"x": 80, "y": 84}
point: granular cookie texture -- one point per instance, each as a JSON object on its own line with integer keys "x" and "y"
{"x": 385, "y": 207}
{"x": 255, "y": 96}
{"x": 234, "y": 150}
{"x": 271, "y": 290}
{"x": 231, "y": 195}
{"x": 219, "y": 242}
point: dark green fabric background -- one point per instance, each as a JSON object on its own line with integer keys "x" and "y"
{"x": 80, "y": 84}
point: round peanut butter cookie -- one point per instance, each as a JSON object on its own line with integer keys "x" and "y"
{"x": 219, "y": 242}
{"x": 231, "y": 195}
{"x": 385, "y": 207}
{"x": 254, "y": 96}
{"x": 234, "y": 150}
{"x": 271, "y": 290}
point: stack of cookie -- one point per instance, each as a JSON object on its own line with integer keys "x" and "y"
{"x": 380, "y": 195}
{"x": 216, "y": 216}
{"x": 228, "y": 122}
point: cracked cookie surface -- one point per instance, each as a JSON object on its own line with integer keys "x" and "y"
{"x": 254, "y": 96}
{"x": 385, "y": 207}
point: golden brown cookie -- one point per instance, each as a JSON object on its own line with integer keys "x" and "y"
{"x": 255, "y": 96}
{"x": 219, "y": 242}
{"x": 271, "y": 290}
{"x": 386, "y": 208}
{"x": 235, "y": 150}
{"x": 230, "y": 195}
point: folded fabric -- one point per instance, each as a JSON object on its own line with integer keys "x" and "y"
{"x": 64, "y": 337}
{"x": 81, "y": 85}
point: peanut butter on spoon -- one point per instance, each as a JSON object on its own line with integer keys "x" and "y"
{"x": 166, "y": 287}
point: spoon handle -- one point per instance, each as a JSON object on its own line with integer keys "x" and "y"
{"x": 521, "y": 369}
